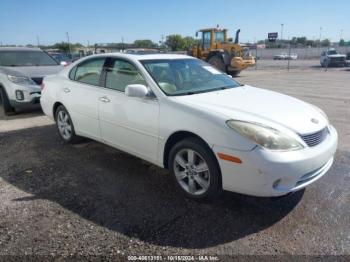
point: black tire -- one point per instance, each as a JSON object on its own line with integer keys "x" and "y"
{"x": 199, "y": 147}
{"x": 8, "y": 109}
{"x": 234, "y": 73}
{"x": 218, "y": 63}
{"x": 72, "y": 138}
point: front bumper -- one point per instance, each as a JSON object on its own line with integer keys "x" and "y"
{"x": 31, "y": 95}
{"x": 269, "y": 173}
{"x": 336, "y": 62}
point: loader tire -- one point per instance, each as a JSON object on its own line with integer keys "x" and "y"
{"x": 218, "y": 63}
{"x": 234, "y": 73}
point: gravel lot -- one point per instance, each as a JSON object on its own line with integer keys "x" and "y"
{"x": 90, "y": 199}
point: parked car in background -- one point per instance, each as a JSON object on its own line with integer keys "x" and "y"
{"x": 348, "y": 59}
{"x": 21, "y": 73}
{"x": 62, "y": 58}
{"x": 141, "y": 51}
{"x": 285, "y": 56}
{"x": 292, "y": 56}
{"x": 332, "y": 57}
{"x": 181, "y": 113}
{"x": 281, "y": 56}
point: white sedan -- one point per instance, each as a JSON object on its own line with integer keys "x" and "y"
{"x": 180, "y": 113}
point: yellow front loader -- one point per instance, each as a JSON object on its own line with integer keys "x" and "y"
{"x": 220, "y": 51}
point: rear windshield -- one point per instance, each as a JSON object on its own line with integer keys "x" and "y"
{"x": 26, "y": 58}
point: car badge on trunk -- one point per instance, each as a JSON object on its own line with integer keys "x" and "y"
{"x": 314, "y": 120}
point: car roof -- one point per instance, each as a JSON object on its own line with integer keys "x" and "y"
{"x": 146, "y": 56}
{"x": 19, "y": 49}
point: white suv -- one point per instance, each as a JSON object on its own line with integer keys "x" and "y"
{"x": 332, "y": 57}
{"x": 21, "y": 73}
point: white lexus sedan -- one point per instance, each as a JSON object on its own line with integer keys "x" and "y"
{"x": 182, "y": 114}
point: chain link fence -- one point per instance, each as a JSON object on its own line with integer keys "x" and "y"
{"x": 282, "y": 58}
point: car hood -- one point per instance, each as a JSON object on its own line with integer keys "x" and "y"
{"x": 338, "y": 55}
{"x": 253, "y": 104}
{"x": 31, "y": 71}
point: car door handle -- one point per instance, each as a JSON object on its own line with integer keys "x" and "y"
{"x": 66, "y": 90}
{"x": 104, "y": 99}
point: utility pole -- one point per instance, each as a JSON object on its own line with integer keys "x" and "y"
{"x": 282, "y": 25}
{"x": 37, "y": 41}
{"x": 70, "y": 50}
{"x": 341, "y": 34}
{"x": 320, "y": 36}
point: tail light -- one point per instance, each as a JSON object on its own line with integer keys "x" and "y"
{"x": 42, "y": 86}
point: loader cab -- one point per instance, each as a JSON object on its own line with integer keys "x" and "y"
{"x": 211, "y": 37}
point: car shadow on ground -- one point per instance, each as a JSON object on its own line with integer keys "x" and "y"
{"x": 127, "y": 195}
{"x": 34, "y": 110}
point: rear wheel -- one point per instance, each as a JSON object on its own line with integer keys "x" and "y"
{"x": 217, "y": 62}
{"x": 195, "y": 169}
{"x": 8, "y": 109}
{"x": 65, "y": 125}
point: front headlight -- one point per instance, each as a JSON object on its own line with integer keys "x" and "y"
{"x": 20, "y": 80}
{"x": 264, "y": 136}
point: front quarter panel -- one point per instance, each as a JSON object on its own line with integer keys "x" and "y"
{"x": 210, "y": 126}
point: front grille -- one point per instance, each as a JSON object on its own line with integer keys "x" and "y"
{"x": 37, "y": 80}
{"x": 315, "y": 138}
{"x": 337, "y": 59}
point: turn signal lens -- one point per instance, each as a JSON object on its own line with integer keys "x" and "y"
{"x": 230, "y": 158}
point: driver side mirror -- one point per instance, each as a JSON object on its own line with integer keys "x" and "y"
{"x": 136, "y": 90}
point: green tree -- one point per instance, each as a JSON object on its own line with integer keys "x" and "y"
{"x": 174, "y": 42}
{"x": 144, "y": 43}
{"x": 63, "y": 46}
{"x": 341, "y": 42}
{"x": 326, "y": 42}
{"x": 188, "y": 42}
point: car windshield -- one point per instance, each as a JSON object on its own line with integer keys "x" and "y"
{"x": 26, "y": 58}
{"x": 332, "y": 52}
{"x": 187, "y": 76}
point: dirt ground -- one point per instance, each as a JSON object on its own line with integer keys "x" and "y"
{"x": 91, "y": 200}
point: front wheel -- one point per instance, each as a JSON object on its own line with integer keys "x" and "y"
{"x": 195, "y": 169}
{"x": 8, "y": 109}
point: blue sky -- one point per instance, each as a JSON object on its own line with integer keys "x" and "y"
{"x": 106, "y": 21}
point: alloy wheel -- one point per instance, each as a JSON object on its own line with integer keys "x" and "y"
{"x": 64, "y": 125}
{"x": 191, "y": 171}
